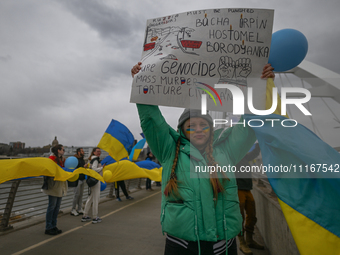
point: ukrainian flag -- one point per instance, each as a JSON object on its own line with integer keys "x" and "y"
{"x": 11, "y": 169}
{"x": 309, "y": 197}
{"x": 148, "y": 164}
{"x": 125, "y": 169}
{"x": 117, "y": 140}
{"x": 136, "y": 150}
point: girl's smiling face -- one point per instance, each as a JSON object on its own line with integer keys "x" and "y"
{"x": 197, "y": 131}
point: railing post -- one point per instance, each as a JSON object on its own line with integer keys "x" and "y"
{"x": 112, "y": 187}
{"x": 9, "y": 205}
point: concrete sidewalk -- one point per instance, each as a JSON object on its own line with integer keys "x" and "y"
{"x": 129, "y": 227}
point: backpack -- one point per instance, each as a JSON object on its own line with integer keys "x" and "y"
{"x": 91, "y": 181}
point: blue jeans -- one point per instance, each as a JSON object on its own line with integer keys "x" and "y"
{"x": 52, "y": 211}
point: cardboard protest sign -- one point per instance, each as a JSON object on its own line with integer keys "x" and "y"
{"x": 186, "y": 54}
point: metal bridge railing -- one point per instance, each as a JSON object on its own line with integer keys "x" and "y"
{"x": 21, "y": 200}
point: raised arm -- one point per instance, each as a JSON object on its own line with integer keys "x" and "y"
{"x": 241, "y": 137}
{"x": 159, "y": 135}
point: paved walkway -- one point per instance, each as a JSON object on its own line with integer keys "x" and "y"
{"x": 129, "y": 227}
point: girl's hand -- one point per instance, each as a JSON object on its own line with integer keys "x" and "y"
{"x": 136, "y": 68}
{"x": 268, "y": 72}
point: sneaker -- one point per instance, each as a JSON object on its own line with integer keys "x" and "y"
{"x": 81, "y": 211}
{"x": 129, "y": 198}
{"x": 87, "y": 218}
{"x": 96, "y": 220}
{"x": 74, "y": 212}
{"x": 59, "y": 231}
{"x": 118, "y": 199}
{"x": 51, "y": 232}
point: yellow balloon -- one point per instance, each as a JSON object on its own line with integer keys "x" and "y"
{"x": 74, "y": 178}
{"x": 107, "y": 175}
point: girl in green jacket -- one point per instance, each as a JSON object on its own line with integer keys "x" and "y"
{"x": 200, "y": 211}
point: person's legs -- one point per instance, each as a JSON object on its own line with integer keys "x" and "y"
{"x": 175, "y": 248}
{"x": 52, "y": 203}
{"x": 148, "y": 184}
{"x": 232, "y": 247}
{"x": 56, "y": 212}
{"x": 117, "y": 189}
{"x": 122, "y": 185}
{"x": 88, "y": 204}
{"x": 81, "y": 185}
{"x": 250, "y": 222}
{"x": 75, "y": 197}
{"x": 75, "y": 201}
{"x": 96, "y": 197}
{"x": 250, "y": 213}
{"x": 242, "y": 196}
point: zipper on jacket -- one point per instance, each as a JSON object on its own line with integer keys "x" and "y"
{"x": 225, "y": 233}
{"x": 162, "y": 220}
{"x": 198, "y": 239}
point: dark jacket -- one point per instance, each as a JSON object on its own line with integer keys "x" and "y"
{"x": 244, "y": 180}
{"x": 81, "y": 163}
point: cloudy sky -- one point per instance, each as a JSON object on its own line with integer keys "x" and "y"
{"x": 65, "y": 64}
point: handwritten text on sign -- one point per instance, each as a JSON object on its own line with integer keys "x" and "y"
{"x": 186, "y": 54}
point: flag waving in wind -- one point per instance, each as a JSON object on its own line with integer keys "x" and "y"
{"x": 309, "y": 198}
{"x": 136, "y": 150}
{"x": 117, "y": 140}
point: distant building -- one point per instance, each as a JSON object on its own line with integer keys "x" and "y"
{"x": 17, "y": 145}
{"x": 55, "y": 142}
{"x": 4, "y": 148}
{"x": 72, "y": 150}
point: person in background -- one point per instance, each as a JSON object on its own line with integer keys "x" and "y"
{"x": 150, "y": 157}
{"x": 247, "y": 203}
{"x": 200, "y": 212}
{"x": 55, "y": 191}
{"x": 94, "y": 196}
{"x": 79, "y": 188}
{"x": 121, "y": 184}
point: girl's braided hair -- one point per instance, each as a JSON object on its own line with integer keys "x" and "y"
{"x": 172, "y": 186}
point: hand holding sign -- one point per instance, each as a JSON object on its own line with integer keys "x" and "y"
{"x": 136, "y": 68}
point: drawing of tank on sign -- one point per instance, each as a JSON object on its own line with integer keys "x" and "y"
{"x": 164, "y": 42}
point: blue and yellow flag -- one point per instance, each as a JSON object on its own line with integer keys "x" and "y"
{"x": 136, "y": 150}
{"x": 117, "y": 140}
{"x": 148, "y": 164}
{"x": 11, "y": 169}
{"x": 309, "y": 192}
{"x": 125, "y": 170}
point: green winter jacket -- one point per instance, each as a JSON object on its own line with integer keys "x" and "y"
{"x": 196, "y": 216}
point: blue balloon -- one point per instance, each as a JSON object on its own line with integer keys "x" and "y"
{"x": 71, "y": 162}
{"x": 288, "y": 48}
{"x": 102, "y": 186}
